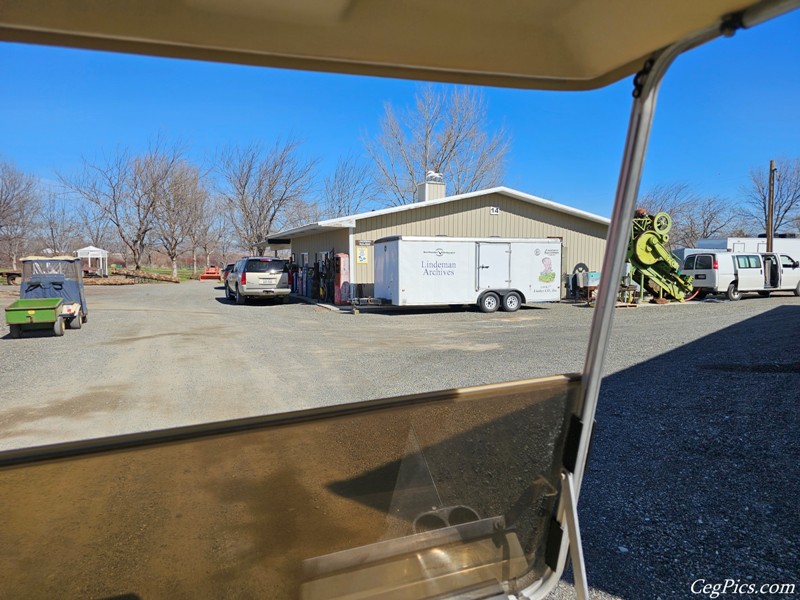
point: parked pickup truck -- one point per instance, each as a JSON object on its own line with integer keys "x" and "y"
{"x": 732, "y": 273}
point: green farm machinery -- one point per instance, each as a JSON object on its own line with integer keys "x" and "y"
{"x": 652, "y": 266}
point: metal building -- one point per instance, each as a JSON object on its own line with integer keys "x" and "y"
{"x": 495, "y": 212}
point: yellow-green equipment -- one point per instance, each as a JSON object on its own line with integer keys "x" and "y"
{"x": 652, "y": 266}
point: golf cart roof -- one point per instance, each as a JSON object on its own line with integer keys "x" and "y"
{"x": 51, "y": 258}
{"x": 567, "y": 45}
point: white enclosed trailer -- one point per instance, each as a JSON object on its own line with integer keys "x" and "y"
{"x": 489, "y": 272}
{"x": 751, "y": 244}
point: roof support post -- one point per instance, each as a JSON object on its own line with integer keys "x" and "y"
{"x": 351, "y": 256}
{"x": 646, "y": 85}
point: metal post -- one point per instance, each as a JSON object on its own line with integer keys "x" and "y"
{"x": 646, "y": 84}
{"x": 771, "y": 206}
{"x": 574, "y": 534}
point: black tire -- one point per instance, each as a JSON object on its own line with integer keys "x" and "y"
{"x": 701, "y": 293}
{"x": 240, "y": 299}
{"x": 489, "y": 302}
{"x": 58, "y": 327}
{"x": 733, "y": 292}
{"x": 16, "y": 331}
{"x": 511, "y": 302}
{"x": 84, "y": 318}
{"x": 797, "y": 290}
{"x": 228, "y": 294}
{"x": 764, "y": 294}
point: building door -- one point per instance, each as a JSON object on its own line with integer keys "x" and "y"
{"x": 494, "y": 266}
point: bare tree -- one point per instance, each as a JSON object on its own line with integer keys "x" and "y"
{"x": 444, "y": 132}
{"x": 262, "y": 188}
{"x": 202, "y": 233}
{"x": 221, "y": 237}
{"x": 786, "y": 204}
{"x": 176, "y": 209}
{"x": 694, "y": 217}
{"x": 57, "y": 226}
{"x": 125, "y": 189}
{"x": 349, "y": 189}
{"x": 95, "y": 227}
{"x": 19, "y": 208}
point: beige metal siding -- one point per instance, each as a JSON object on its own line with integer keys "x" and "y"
{"x": 584, "y": 240}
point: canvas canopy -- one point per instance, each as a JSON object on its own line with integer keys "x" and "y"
{"x": 569, "y": 45}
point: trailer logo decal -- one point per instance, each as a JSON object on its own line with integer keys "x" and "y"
{"x": 438, "y": 269}
{"x": 438, "y": 252}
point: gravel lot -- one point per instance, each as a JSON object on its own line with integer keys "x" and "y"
{"x": 694, "y": 468}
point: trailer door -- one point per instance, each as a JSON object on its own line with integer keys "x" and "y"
{"x": 494, "y": 265}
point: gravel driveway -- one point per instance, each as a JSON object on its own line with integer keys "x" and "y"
{"x": 693, "y": 474}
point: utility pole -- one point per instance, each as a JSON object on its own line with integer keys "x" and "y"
{"x": 770, "y": 205}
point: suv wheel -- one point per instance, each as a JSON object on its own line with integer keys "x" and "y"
{"x": 239, "y": 296}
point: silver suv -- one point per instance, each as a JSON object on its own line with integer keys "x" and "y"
{"x": 258, "y": 276}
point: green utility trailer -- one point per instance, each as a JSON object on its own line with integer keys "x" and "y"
{"x": 35, "y": 313}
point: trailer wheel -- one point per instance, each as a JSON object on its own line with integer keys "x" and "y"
{"x": 511, "y": 302}
{"x": 58, "y": 327}
{"x": 733, "y": 292}
{"x": 489, "y": 302}
{"x": 16, "y": 331}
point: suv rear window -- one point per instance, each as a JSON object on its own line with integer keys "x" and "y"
{"x": 265, "y": 265}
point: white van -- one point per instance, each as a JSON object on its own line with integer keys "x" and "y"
{"x": 731, "y": 273}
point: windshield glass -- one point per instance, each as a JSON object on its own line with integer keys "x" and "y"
{"x": 69, "y": 269}
{"x": 429, "y": 239}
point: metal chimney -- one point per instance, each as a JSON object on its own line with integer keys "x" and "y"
{"x": 432, "y": 188}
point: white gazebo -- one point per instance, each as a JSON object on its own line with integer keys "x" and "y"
{"x": 99, "y": 256}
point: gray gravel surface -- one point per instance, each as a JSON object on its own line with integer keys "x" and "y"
{"x": 693, "y": 473}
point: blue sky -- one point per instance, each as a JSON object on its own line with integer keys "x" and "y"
{"x": 724, "y": 108}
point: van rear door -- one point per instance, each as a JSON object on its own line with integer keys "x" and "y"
{"x": 701, "y": 267}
